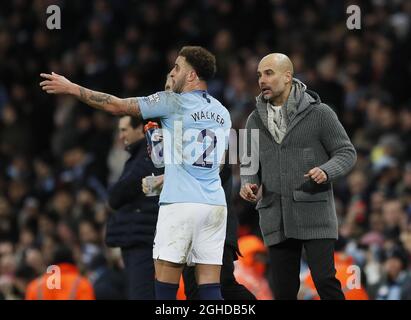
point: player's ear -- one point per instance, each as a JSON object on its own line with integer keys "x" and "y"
{"x": 192, "y": 75}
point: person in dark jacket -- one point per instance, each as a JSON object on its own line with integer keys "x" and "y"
{"x": 108, "y": 284}
{"x": 132, "y": 226}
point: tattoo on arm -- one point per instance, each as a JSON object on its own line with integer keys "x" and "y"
{"x": 95, "y": 99}
{"x": 132, "y": 108}
{"x": 110, "y": 103}
{"x": 101, "y": 98}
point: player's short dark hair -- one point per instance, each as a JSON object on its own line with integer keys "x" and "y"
{"x": 202, "y": 61}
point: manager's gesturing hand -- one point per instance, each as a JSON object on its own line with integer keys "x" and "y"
{"x": 249, "y": 192}
{"x": 318, "y": 175}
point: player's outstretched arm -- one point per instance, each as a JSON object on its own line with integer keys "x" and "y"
{"x": 57, "y": 84}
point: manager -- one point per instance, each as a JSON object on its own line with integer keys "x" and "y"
{"x": 302, "y": 149}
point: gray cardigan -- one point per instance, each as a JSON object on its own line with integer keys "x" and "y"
{"x": 293, "y": 206}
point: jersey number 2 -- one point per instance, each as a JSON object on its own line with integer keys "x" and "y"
{"x": 201, "y": 161}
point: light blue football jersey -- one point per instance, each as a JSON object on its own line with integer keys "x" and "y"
{"x": 195, "y": 128}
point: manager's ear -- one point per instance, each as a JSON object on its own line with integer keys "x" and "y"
{"x": 288, "y": 77}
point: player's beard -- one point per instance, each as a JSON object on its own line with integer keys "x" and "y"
{"x": 178, "y": 85}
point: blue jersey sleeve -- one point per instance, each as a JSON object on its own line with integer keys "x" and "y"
{"x": 158, "y": 105}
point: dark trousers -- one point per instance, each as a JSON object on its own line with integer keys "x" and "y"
{"x": 285, "y": 259}
{"x": 230, "y": 288}
{"x": 139, "y": 269}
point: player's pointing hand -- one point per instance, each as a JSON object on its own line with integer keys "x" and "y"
{"x": 56, "y": 84}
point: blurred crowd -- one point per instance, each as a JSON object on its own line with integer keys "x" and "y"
{"x": 57, "y": 156}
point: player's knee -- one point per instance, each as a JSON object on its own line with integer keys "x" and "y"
{"x": 168, "y": 272}
{"x": 206, "y": 274}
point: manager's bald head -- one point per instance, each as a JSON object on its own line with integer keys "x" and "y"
{"x": 275, "y": 74}
{"x": 279, "y": 61}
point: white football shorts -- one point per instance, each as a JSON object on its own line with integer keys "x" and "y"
{"x": 190, "y": 233}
